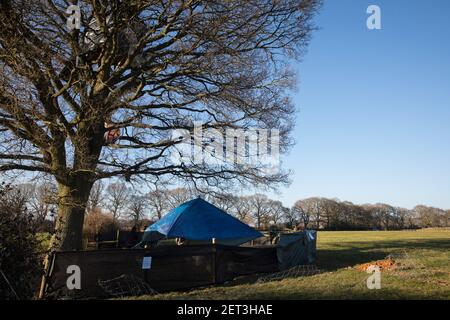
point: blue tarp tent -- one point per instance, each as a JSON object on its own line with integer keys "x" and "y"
{"x": 199, "y": 220}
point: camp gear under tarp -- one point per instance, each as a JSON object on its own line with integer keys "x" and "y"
{"x": 199, "y": 220}
{"x": 294, "y": 249}
{"x": 168, "y": 268}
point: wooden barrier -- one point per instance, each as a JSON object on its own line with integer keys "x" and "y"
{"x": 172, "y": 267}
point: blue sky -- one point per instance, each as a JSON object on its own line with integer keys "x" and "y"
{"x": 374, "y": 106}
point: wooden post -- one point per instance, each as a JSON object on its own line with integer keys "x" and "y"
{"x": 48, "y": 266}
{"x": 117, "y": 238}
{"x": 214, "y": 256}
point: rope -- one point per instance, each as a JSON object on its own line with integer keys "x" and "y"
{"x": 125, "y": 285}
{"x": 298, "y": 271}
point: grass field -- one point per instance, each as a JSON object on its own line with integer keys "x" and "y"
{"x": 426, "y": 253}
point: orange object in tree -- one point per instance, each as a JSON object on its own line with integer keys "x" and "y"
{"x": 111, "y": 135}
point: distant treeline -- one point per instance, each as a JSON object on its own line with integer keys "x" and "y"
{"x": 123, "y": 206}
{"x": 330, "y": 214}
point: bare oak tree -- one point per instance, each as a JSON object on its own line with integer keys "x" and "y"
{"x": 242, "y": 208}
{"x": 302, "y": 212}
{"x": 118, "y": 195}
{"x": 276, "y": 211}
{"x": 224, "y": 201}
{"x": 177, "y": 196}
{"x": 311, "y": 211}
{"x": 97, "y": 196}
{"x": 260, "y": 209}
{"x": 137, "y": 208}
{"x": 101, "y": 101}
{"x": 40, "y": 200}
{"x": 158, "y": 203}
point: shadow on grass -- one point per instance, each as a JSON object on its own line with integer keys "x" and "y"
{"x": 343, "y": 285}
{"x": 348, "y": 254}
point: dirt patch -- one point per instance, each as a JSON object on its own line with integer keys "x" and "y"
{"x": 384, "y": 265}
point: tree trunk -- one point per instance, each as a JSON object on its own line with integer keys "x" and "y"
{"x": 73, "y": 199}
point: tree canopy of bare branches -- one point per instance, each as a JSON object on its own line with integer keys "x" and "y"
{"x": 118, "y": 195}
{"x": 141, "y": 69}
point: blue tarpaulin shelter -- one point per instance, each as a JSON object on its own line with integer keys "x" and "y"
{"x": 199, "y": 220}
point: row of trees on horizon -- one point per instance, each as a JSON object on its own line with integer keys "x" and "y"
{"x": 123, "y": 206}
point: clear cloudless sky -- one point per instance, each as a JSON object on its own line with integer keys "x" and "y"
{"x": 373, "y": 121}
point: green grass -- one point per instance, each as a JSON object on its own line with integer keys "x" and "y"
{"x": 427, "y": 253}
